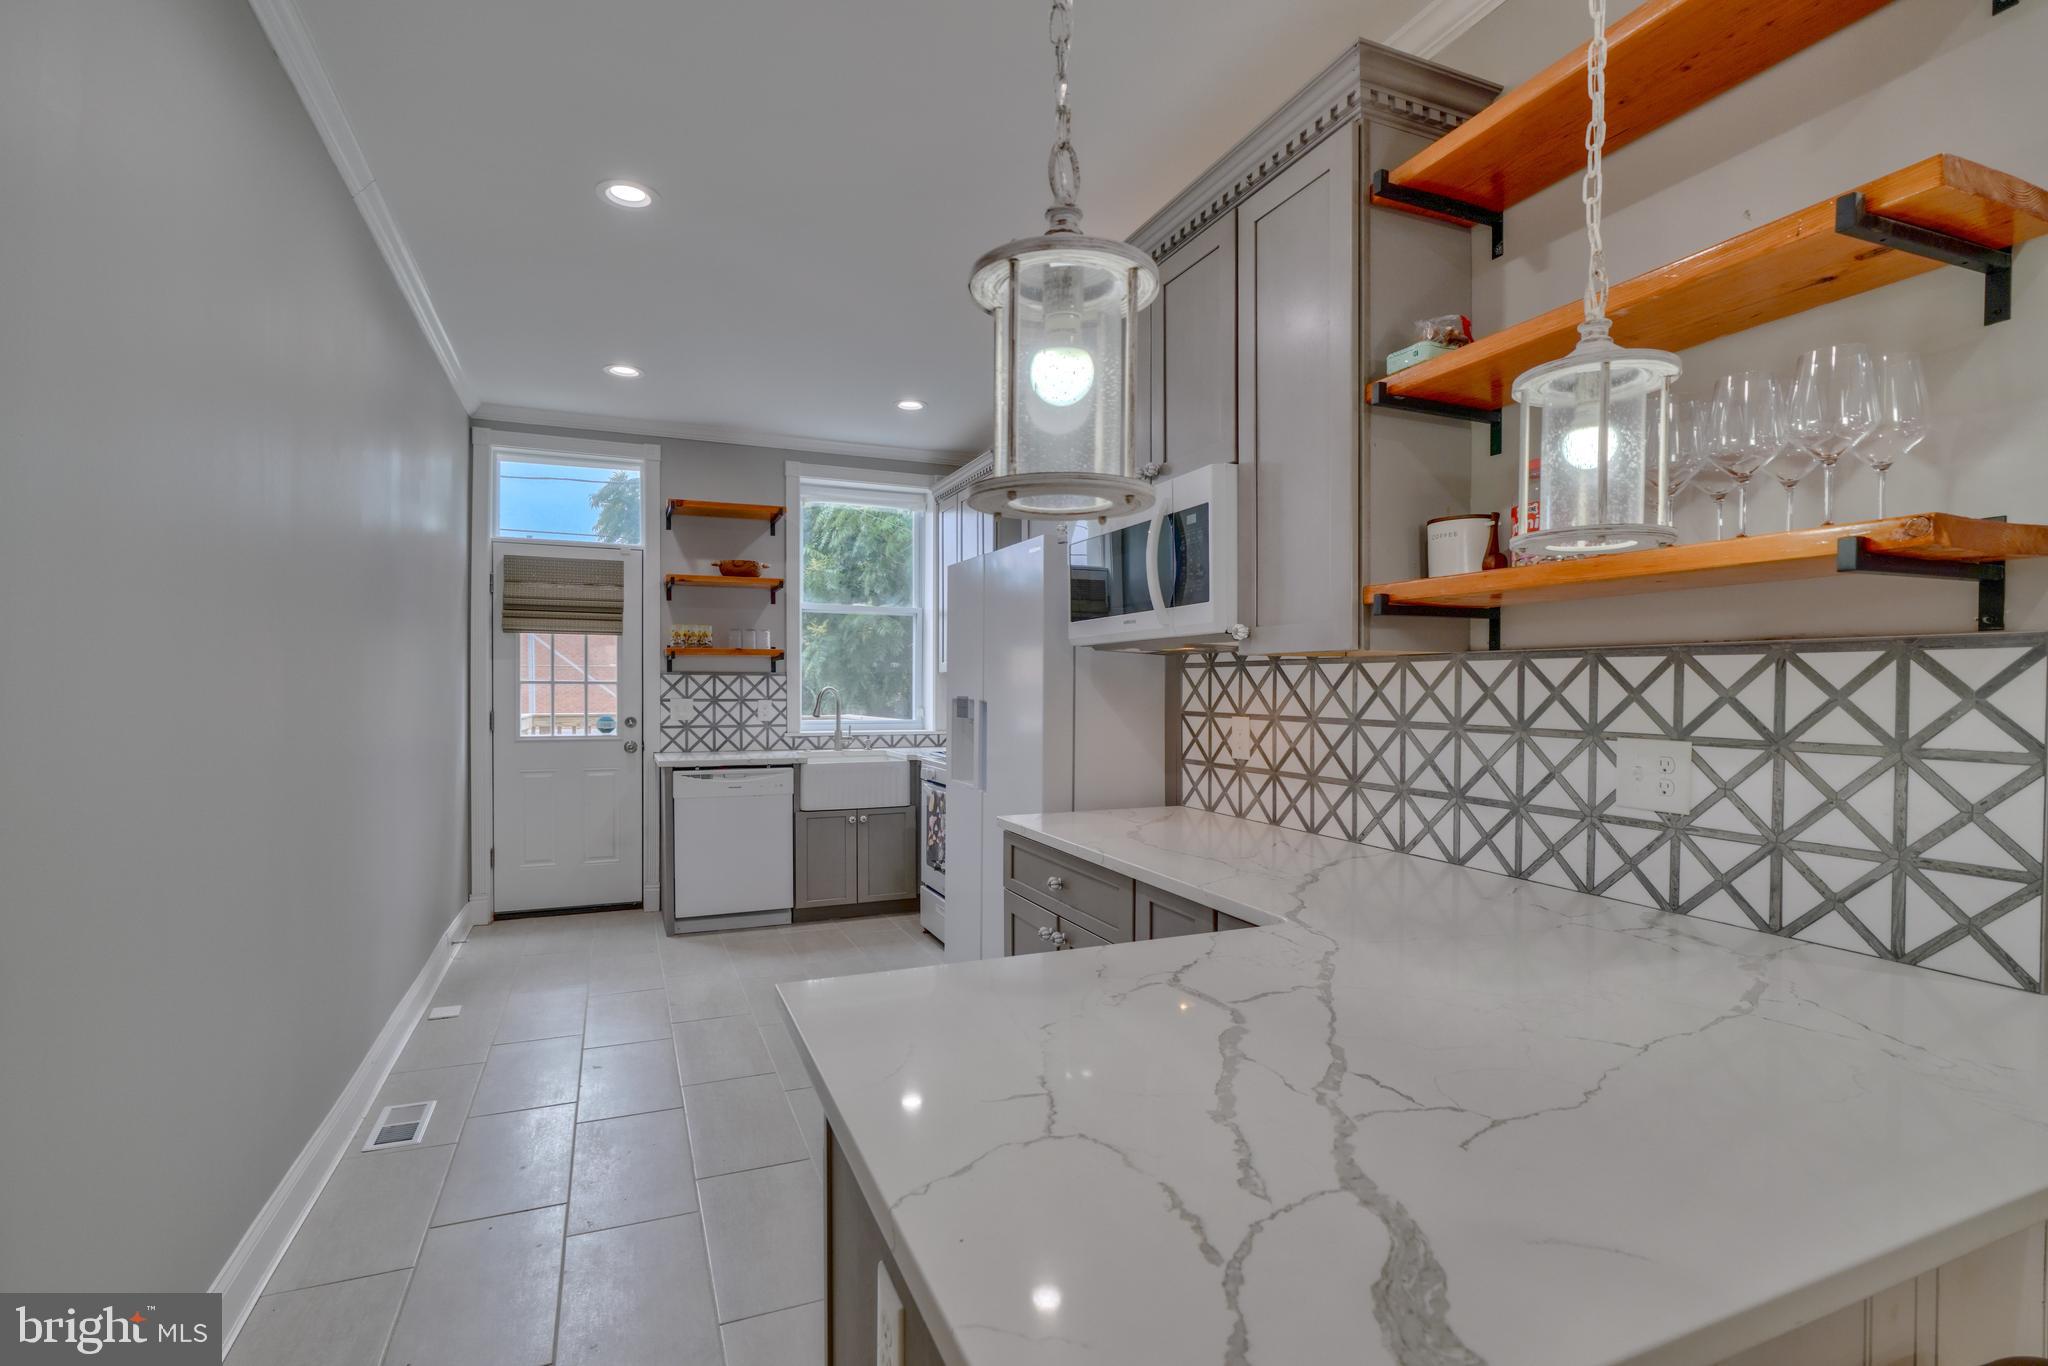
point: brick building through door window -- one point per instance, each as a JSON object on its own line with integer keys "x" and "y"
{"x": 568, "y": 684}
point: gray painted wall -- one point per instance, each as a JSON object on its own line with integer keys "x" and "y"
{"x": 232, "y": 539}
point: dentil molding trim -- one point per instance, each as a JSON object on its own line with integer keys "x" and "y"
{"x": 1367, "y": 81}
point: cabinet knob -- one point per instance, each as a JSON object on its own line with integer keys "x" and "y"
{"x": 849, "y": 820}
{"x": 1054, "y": 883}
{"x": 1059, "y": 939}
{"x": 1045, "y": 932}
{"x": 863, "y": 820}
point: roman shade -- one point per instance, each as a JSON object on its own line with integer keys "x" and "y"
{"x": 562, "y": 593}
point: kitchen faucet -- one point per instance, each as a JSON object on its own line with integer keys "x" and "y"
{"x": 838, "y": 719}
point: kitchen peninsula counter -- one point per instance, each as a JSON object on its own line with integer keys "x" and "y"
{"x": 1419, "y": 1114}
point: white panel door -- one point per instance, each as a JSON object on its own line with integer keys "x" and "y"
{"x": 566, "y": 755}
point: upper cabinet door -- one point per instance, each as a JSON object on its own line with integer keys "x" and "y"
{"x": 1193, "y": 362}
{"x": 1298, "y": 398}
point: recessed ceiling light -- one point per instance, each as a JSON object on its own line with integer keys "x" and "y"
{"x": 910, "y": 405}
{"x": 623, "y": 371}
{"x": 626, "y": 194}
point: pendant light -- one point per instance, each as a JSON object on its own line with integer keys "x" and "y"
{"x": 1597, "y": 423}
{"x": 1064, "y": 306}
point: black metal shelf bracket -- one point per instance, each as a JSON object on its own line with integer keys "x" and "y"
{"x": 1853, "y": 218}
{"x": 1383, "y": 607}
{"x": 774, "y": 522}
{"x": 1853, "y": 556}
{"x": 1428, "y": 202}
{"x": 1429, "y": 407}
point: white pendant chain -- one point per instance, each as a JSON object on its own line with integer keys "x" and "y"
{"x": 1591, "y": 189}
{"x": 1063, "y": 167}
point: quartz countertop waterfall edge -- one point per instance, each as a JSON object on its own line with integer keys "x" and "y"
{"x": 1419, "y": 1114}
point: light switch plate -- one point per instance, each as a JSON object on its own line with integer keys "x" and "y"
{"x": 1239, "y": 733}
{"x": 1653, "y": 775}
{"x": 888, "y": 1320}
{"x": 683, "y": 710}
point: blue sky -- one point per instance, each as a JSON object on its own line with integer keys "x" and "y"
{"x": 549, "y": 500}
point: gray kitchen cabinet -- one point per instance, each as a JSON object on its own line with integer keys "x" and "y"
{"x": 1231, "y": 922}
{"x": 826, "y": 858}
{"x": 1033, "y": 929}
{"x": 844, "y": 858}
{"x": 887, "y": 854}
{"x": 1162, "y": 915}
{"x": 1191, "y": 382}
{"x": 1298, "y": 408}
{"x": 1280, "y": 296}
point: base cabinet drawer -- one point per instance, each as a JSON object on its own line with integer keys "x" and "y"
{"x": 1033, "y": 929}
{"x": 1070, "y": 888}
{"x": 1162, "y": 915}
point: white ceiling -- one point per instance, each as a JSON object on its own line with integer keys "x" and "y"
{"x": 827, "y": 171}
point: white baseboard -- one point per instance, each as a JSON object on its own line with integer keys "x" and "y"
{"x": 478, "y": 912}
{"x": 263, "y": 1246}
{"x": 650, "y": 897}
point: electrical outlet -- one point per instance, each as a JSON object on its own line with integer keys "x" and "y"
{"x": 1239, "y": 733}
{"x": 1653, "y": 775}
{"x": 888, "y": 1320}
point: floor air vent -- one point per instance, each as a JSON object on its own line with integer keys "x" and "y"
{"x": 400, "y": 1126}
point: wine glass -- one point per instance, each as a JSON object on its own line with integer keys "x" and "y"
{"x": 1690, "y": 430}
{"x": 1794, "y": 460}
{"x": 1744, "y": 433}
{"x": 1901, "y": 416}
{"x": 1834, "y": 406}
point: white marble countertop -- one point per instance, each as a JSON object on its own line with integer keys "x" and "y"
{"x": 765, "y": 758}
{"x": 1427, "y": 1115}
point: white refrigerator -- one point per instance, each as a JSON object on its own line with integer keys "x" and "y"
{"x": 1033, "y": 724}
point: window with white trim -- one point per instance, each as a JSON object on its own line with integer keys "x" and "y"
{"x": 861, "y": 619}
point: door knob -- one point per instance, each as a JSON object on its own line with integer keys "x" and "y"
{"x": 630, "y": 722}
{"x": 632, "y": 746}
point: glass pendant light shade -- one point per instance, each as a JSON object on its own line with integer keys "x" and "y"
{"x": 1597, "y": 426}
{"x": 1064, "y": 307}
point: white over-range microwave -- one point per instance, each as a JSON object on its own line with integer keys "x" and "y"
{"x": 1167, "y": 576}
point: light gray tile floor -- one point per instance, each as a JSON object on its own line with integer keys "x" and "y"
{"x": 623, "y": 1163}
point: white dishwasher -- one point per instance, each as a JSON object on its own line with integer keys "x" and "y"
{"x": 733, "y": 836}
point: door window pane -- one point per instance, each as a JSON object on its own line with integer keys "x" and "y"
{"x": 546, "y": 499}
{"x": 555, "y": 698}
{"x": 870, "y": 659}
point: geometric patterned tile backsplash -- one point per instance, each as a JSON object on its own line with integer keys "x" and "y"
{"x": 1882, "y": 796}
{"x": 737, "y": 712}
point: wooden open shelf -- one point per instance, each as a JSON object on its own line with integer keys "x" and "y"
{"x": 1664, "y": 58}
{"x": 1928, "y": 544}
{"x": 1798, "y": 262}
{"x": 675, "y": 652}
{"x": 675, "y": 581}
{"x": 745, "y": 512}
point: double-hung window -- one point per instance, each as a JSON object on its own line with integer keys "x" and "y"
{"x": 860, "y": 621}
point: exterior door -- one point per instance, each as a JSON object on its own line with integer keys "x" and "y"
{"x": 566, "y": 755}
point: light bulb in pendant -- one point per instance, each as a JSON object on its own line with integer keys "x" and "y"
{"x": 1582, "y": 448}
{"x": 1062, "y": 375}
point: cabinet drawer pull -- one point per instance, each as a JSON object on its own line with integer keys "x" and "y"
{"x": 1055, "y": 883}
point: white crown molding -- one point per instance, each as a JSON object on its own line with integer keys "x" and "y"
{"x": 705, "y": 431}
{"x": 1440, "y": 23}
{"x": 293, "y": 41}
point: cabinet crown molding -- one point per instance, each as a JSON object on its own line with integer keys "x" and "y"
{"x": 1367, "y": 81}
